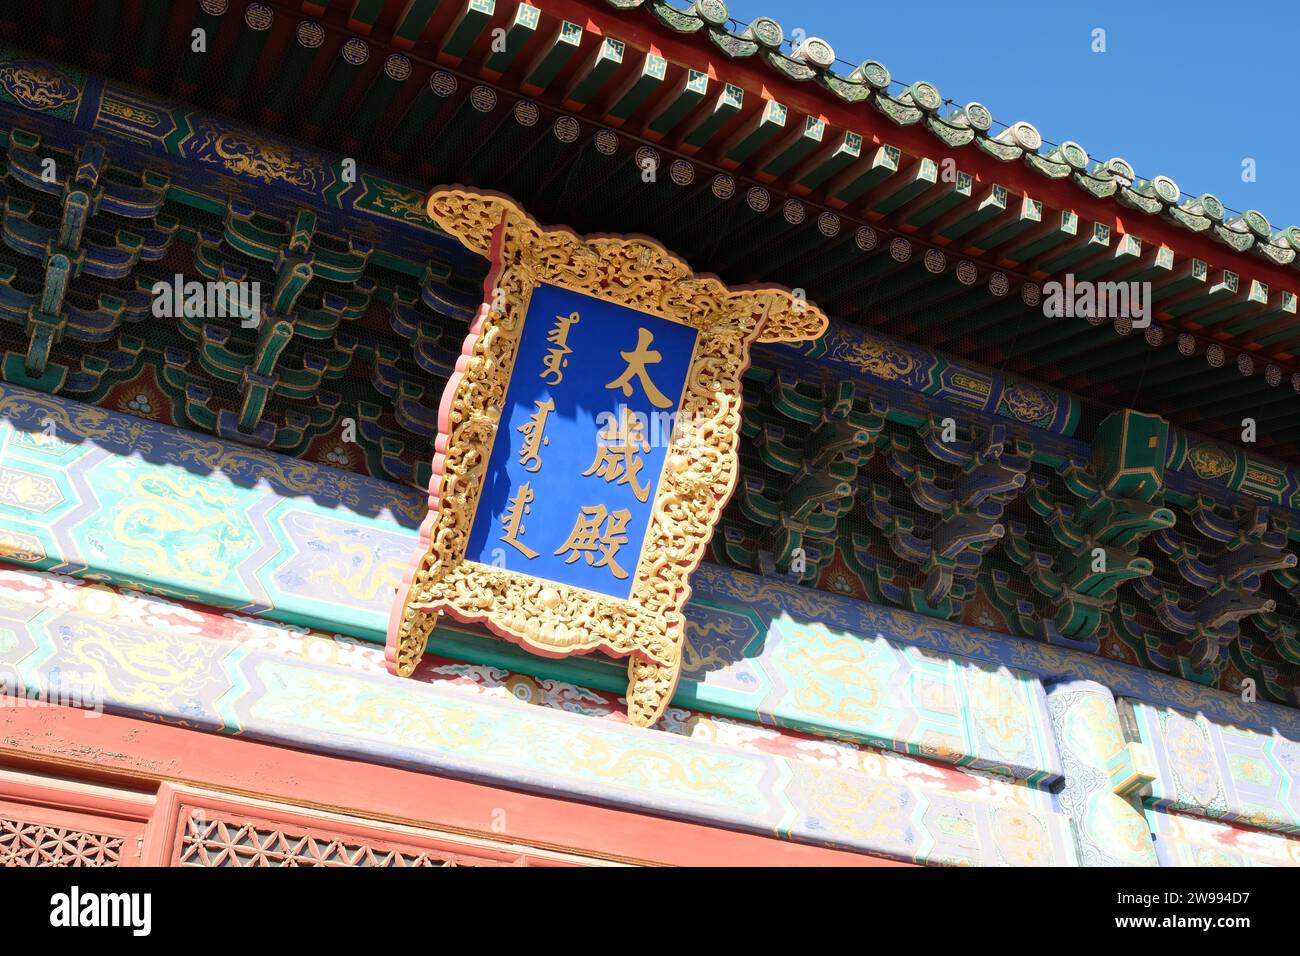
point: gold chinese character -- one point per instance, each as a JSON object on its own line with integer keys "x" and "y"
{"x": 556, "y": 357}
{"x": 617, "y": 453}
{"x": 588, "y": 539}
{"x": 637, "y": 360}
{"x": 513, "y": 520}
{"x": 534, "y": 438}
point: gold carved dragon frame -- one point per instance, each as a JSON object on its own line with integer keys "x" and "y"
{"x": 550, "y": 618}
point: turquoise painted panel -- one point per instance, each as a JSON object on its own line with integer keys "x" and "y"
{"x": 1218, "y": 770}
{"x": 799, "y": 673}
{"x": 163, "y": 510}
{"x": 167, "y": 511}
{"x": 803, "y": 676}
{"x": 153, "y": 658}
{"x": 1191, "y": 841}
{"x": 772, "y": 598}
{"x": 92, "y": 492}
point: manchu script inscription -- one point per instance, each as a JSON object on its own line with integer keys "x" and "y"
{"x": 572, "y": 478}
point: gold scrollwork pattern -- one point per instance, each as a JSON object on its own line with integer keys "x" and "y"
{"x": 547, "y": 617}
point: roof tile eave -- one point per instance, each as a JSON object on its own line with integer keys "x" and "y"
{"x": 1198, "y": 226}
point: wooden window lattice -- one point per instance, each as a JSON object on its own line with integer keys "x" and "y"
{"x": 209, "y": 842}
{"x": 35, "y": 844}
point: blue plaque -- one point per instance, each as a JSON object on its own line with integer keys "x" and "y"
{"x": 580, "y": 449}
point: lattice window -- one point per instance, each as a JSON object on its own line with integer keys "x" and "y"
{"x": 35, "y": 844}
{"x": 225, "y": 843}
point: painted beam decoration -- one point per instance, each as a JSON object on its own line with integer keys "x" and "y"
{"x": 587, "y": 443}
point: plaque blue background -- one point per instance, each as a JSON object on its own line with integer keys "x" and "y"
{"x": 560, "y": 490}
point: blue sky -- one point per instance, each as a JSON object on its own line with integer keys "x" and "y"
{"x": 1187, "y": 89}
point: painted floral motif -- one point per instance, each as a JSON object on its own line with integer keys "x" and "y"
{"x": 139, "y": 404}
{"x": 28, "y": 492}
{"x": 277, "y": 473}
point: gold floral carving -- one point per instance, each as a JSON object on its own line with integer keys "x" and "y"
{"x": 127, "y": 111}
{"x": 547, "y": 617}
